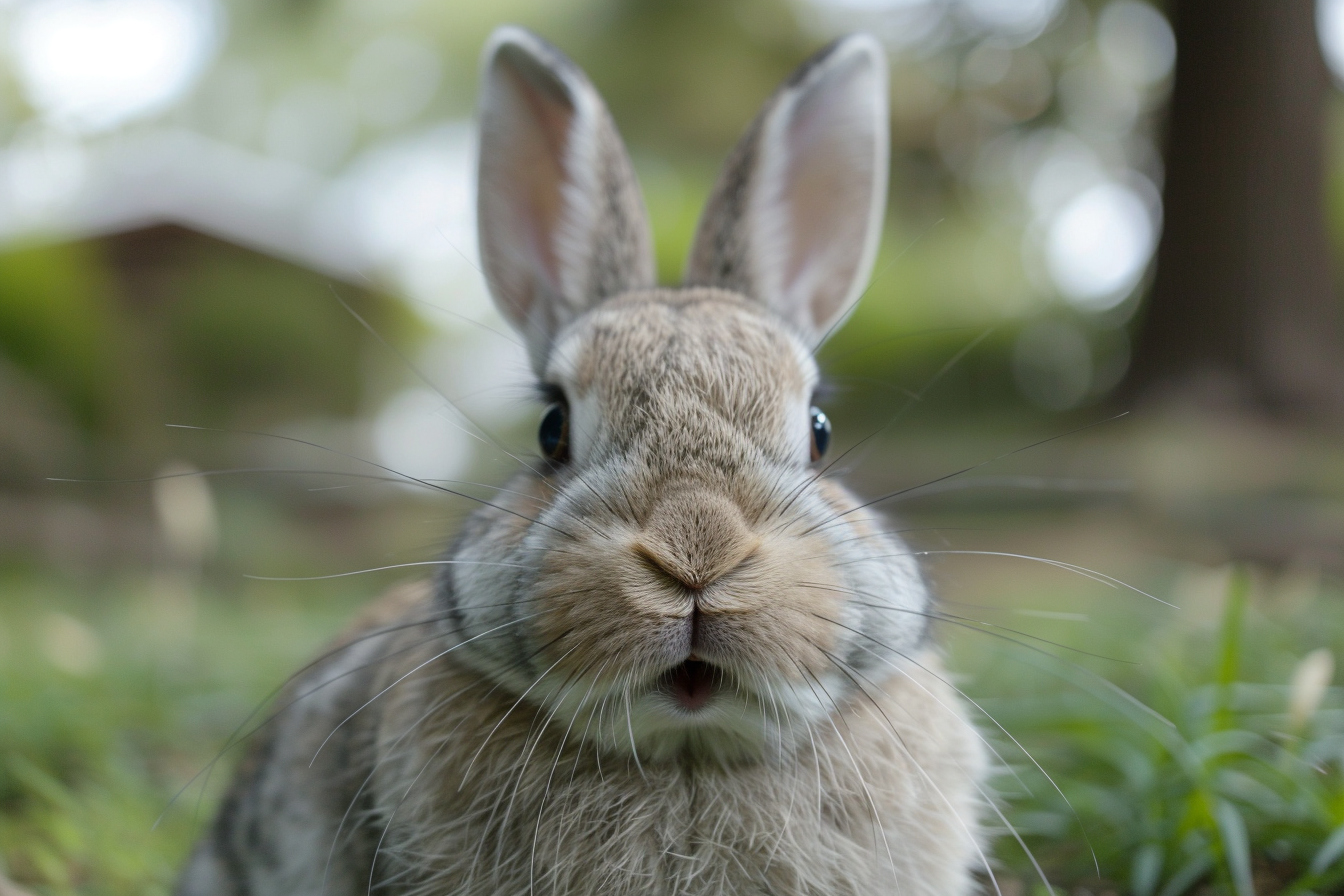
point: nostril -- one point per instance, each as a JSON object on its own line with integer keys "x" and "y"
{"x": 694, "y": 538}
{"x": 666, "y": 566}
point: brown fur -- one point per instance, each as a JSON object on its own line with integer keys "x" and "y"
{"x": 541, "y": 810}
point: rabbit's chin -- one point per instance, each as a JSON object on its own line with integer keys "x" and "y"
{"x": 694, "y": 711}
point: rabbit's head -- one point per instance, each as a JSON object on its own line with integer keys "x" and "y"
{"x": 678, "y": 578}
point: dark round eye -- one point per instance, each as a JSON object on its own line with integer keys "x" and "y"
{"x": 821, "y": 432}
{"x": 554, "y": 433}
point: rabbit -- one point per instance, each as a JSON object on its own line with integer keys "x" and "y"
{"x": 671, "y": 657}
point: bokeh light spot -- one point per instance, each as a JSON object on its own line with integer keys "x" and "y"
{"x": 90, "y": 65}
{"x": 1022, "y": 17}
{"x": 1098, "y": 245}
{"x": 1330, "y": 32}
{"x": 1136, "y": 42}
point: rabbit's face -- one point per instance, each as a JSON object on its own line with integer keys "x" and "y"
{"x": 694, "y": 575}
{"x": 684, "y": 580}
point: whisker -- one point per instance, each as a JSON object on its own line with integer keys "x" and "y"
{"x": 360, "y": 572}
{"x": 630, "y": 727}
{"x": 793, "y": 787}
{"x": 531, "y": 743}
{"x": 910, "y": 754}
{"x": 584, "y": 736}
{"x": 230, "y": 471}
{"x": 918, "y": 396}
{"x": 546, "y": 794}
{"x": 987, "y": 714}
{"x": 999, "y": 725}
{"x": 1083, "y": 670}
{"x": 521, "y": 663}
{"x": 387, "y": 753}
{"x": 234, "y": 740}
{"x": 974, "y": 625}
{"x": 867, "y": 791}
{"x": 417, "y": 668}
{"x": 888, "y": 340}
{"x": 1094, "y": 575}
{"x": 406, "y": 476}
{"x": 485, "y": 436}
{"x": 841, "y": 319}
{"x": 914, "y": 488}
{"x": 1036, "y": 483}
{"x": 443, "y": 742}
{"x": 887, "y": 533}
{"x": 466, "y": 774}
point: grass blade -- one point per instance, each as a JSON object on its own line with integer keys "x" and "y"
{"x": 1236, "y": 847}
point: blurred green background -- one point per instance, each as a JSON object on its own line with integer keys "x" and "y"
{"x": 237, "y": 248}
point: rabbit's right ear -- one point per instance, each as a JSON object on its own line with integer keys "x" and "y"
{"x": 560, "y": 216}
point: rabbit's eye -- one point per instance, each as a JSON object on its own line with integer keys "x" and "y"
{"x": 821, "y": 432}
{"x": 554, "y": 433}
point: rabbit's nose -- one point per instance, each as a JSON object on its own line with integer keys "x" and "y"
{"x": 695, "y": 537}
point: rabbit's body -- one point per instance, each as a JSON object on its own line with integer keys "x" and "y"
{"x": 672, "y": 658}
{"x": 541, "y": 812}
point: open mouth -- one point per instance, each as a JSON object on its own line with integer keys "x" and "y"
{"x": 692, "y": 684}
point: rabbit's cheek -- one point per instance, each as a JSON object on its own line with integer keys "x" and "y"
{"x": 602, "y": 608}
{"x": 775, "y": 616}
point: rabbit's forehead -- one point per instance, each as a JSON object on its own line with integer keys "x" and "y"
{"x": 646, "y": 353}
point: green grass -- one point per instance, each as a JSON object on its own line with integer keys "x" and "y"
{"x": 1186, "y": 771}
{"x": 1183, "y": 767}
{"x": 112, "y": 697}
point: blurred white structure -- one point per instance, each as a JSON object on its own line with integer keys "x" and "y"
{"x": 403, "y": 214}
{"x": 270, "y": 173}
{"x": 417, "y": 435}
{"x": 401, "y": 217}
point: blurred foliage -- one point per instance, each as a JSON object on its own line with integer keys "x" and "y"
{"x": 166, "y": 326}
{"x": 57, "y": 320}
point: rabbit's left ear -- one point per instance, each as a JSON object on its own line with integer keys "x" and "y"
{"x": 796, "y": 216}
{"x": 560, "y": 216}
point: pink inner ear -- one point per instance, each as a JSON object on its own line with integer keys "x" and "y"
{"x": 560, "y": 221}
{"x": 827, "y": 192}
{"x": 535, "y": 155}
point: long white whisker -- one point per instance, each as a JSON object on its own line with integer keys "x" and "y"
{"x": 360, "y": 572}
{"x": 466, "y": 774}
{"x": 1094, "y": 575}
{"x": 984, "y": 859}
{"x": 417, "y": 668}
{"x": 809, "y": 677}
{"x": 363, "y": 460}
{"x": 546, "y": 794}
{"x": 997, "y": 724}
{"x": 630, "y": 727}
{"x": 434, "y": 707}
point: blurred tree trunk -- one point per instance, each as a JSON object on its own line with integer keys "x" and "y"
{"x": 1244, "y": 304}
